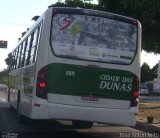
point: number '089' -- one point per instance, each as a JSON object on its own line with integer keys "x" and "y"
{"x": 70, "y": 73}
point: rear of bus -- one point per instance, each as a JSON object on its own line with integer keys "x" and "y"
{"x": 90, "y": 69}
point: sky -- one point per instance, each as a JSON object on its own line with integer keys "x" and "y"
{"x": 15, "y": 18}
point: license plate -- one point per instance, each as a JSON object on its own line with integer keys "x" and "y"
{"x": 90, "y": 98}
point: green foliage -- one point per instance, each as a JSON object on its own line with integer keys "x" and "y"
{"x": 4, "y": 76}
{"x": 146, "y": 11}
{"x": 148, "y": 74}
{"x": 75, "y": 4}
{"x": 154, "y": 71}
{"x": 8, "y": 60}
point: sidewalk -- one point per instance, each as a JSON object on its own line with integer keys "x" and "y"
{"x": 146, "y": 109}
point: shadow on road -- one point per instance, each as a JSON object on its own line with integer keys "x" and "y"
{"x": 42, "y": 128}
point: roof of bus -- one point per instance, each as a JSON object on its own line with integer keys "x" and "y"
{"x": 82, "y": 10}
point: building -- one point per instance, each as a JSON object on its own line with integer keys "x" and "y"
{"x": 154, "y": 86}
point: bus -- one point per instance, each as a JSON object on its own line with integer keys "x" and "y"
{"x": 80, "y": 65}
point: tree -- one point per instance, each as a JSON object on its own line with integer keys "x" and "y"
{"x": 154, "y": 71}
{"x": 10, "y": 61}
{"x": 146, "y": 11}
{"x": 148, "y": 74}
{"x": 4, "y": 76}
{"x": 75, "y": 3}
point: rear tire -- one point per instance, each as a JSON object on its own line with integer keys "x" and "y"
{"x": 10, "y": 107}
{"x": 8, "y": 95}
{"x": 82, "y": 124}
{"x": 21, "y": 118}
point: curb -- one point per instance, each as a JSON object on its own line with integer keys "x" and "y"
{"x": 146, "y": 127}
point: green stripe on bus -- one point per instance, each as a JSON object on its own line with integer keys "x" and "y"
{"x": 82, "y": 80}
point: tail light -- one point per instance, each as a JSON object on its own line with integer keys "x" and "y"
{"x": 41, "y": 89}
{"x": 135, "y": 97}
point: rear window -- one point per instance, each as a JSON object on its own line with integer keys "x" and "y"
{"x": 93, "y": 38}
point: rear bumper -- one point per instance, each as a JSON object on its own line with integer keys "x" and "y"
{"x": 68, "y": 112}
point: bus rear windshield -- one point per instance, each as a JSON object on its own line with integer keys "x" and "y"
{"x": 93, "y": 38}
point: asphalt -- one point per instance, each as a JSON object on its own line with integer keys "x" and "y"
{"x": 140, "y": 125}
{"x": 147, "y": 127}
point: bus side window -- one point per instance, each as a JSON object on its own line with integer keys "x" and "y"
{"x": 13, "y": 61}
{"x": 30, "y": 49}
{"x": 20, "y": 53}
{"x": 36, "y": 42}
{"x": 23, "y": 53}
{"x": 34, "y": 46}
{"x": 27, "y": 50}
{"x": 16, "y": 57}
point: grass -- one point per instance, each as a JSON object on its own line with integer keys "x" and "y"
{"x": 4, "y": 81}
{"x": 152, "y": 109}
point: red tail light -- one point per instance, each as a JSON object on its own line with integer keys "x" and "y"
{"x": 42, "y": 84}
{"x": 136, "y": 94}
{"x": 41, "y": 89}
{"x": 135, "y": 98}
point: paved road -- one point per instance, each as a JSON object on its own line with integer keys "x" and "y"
{"x": 150, "y": 99}
{"x": 3, "y": 88}
{"x": 43, "y": 128}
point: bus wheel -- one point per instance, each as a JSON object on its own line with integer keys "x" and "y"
{"x": 82, "y": 124}
{"x": 8, "y": 95}
{"x": 10, "y": 107}
{"x": 21, "y": 118}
